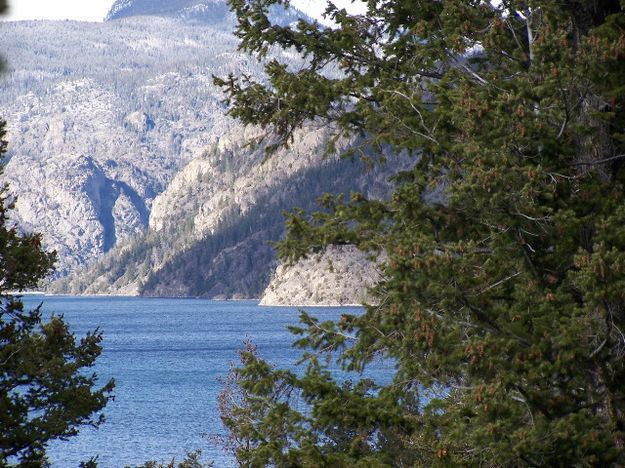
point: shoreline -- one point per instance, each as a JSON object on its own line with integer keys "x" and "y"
{"x": 110, "y": 295}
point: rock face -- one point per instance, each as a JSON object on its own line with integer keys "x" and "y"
{"x": 127, "y": 115}
{"x": 339, "y": 276}
{"x": 124, "y": 159}
{"x": 93, "y": 138}
{"x": 210, "y": 230}
{"x": 232, "y": 178}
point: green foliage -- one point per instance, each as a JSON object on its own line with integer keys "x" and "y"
{"x": 192, "y": 460}
{"x": 503, "y": 304}
{"x": 45, "y": 393}
{"x": 236, "y": 260}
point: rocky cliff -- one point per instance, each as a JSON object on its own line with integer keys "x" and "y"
{"x": 339, "y": 276}
{"x": 124, "y": 159}
{"x": 94, "y": 138}
{"x": 210, "y": 230}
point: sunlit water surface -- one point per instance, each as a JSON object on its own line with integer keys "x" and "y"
{"x": 166, "y": 356}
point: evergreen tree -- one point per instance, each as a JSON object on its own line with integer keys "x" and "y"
{"x": 503, "y": 304}
{"x": 45, "y": 393}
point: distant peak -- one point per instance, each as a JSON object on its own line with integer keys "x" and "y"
{"x": 205, "y": 11}
{"x": 214, "y": 12}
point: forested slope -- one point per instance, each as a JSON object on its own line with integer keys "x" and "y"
{"x": 210, "y": 230}
{"x": 125, "y": 159}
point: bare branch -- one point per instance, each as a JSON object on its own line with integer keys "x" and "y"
{"x": 500, "y": 282}
{"x": 599, "y": 161}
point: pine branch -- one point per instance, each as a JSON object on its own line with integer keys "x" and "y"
{"x": 599, "y": 161}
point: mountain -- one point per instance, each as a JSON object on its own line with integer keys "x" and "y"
{"x": 125, "y": 160}
{"x": 213, "y": 11}
{"x": 207, "y": 11}
{"x": 210, "y": 230}
{"x": 94, "y": 138}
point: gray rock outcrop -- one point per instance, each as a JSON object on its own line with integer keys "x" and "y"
{"x": 124, "y": 159}
{"x": 338, "y": 276}
{"x": 94, "y": 138}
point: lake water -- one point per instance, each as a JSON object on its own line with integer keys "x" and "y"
{"x": 166, "y": 356}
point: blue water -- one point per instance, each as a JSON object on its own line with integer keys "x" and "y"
{"x": 166, "y": 356}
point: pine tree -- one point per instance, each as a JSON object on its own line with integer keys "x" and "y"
{"x": 503, "y": 304}
{"x": 46, "y": 392}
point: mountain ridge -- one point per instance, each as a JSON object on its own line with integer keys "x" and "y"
{"x": 215, "y": 13}
{"x": 93, "y": 139}
{"x": 125, "y": 160}
{"x": 210, "y": 230}
{"x": 205, "y": 11}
